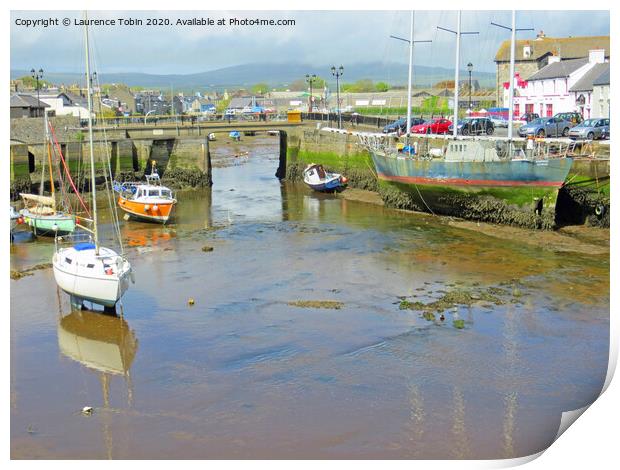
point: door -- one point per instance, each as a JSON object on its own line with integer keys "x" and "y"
{"x": 549, "y": 109}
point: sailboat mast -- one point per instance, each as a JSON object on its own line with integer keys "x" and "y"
{"x": 511, "y": 80}
{"x": 456, "y": 74}
{"x": 410, "y": 75}
{"x": 90, "y": 138}
{"x": 48, "y": 146}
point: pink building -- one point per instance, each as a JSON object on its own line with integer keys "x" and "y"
{"x": 556, "y": 87}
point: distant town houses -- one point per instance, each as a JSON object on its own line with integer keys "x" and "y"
{"x": 552, "y": 75}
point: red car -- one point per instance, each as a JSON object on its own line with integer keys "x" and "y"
{"x": 436, "y": 126}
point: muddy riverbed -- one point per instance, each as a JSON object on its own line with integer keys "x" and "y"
{"x": 267, "y": 321}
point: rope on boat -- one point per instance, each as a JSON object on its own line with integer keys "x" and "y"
{"x": 64, "y": 164}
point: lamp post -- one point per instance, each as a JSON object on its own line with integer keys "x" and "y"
{"x": 338, "y": 73}
{"x": 37, "y": 75}
{"x": 310, "y": 79}
{"x": 470, "y": 67}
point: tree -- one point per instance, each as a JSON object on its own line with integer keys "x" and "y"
{"x": 449, "y": 84}
{"x": 222, "y": 105}
{"x": 382, "y": 86}
{"x": 260, "y": 88}
{"x": 30, "y": 82}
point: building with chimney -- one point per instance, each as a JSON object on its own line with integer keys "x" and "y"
{"x": 562, "y": 86}
{"x": 531, "y": 55}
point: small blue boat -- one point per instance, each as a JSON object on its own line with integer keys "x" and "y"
{"x": 235, "y": 135}
{"x": 318, "y": 179}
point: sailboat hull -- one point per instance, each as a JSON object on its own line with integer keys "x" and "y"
{"x": 74, "y": 275}
{"x": 45, "y": 224}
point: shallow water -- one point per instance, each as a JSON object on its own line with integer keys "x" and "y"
{"x": 243, "y": 374}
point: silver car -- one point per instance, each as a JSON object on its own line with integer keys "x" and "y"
{"x": 591, "y": 129}
{"x": 546, "y": 127}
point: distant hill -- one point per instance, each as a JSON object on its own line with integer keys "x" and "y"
{"x": 275, "y": 74}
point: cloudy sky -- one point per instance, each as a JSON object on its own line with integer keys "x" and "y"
{"x": 319, "y": 37}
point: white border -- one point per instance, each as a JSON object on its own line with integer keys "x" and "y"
{"x": 591, "y": 443}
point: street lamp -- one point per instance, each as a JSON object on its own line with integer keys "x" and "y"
{"x": 37, "y": 75}
{"x": 470, "y": 67}
{"x": 310, "y": 79}
{"x": 338, "y": 73}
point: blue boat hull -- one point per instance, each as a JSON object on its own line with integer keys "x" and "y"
{"x": 511, "y": 191}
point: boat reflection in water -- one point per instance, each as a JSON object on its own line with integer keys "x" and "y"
{"x": 105, "y": 344}
{"x": 99, "y": 341}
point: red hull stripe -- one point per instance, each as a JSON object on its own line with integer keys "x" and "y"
{"x": 465, "y": 182}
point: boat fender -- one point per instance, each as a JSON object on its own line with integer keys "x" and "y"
{"x": 599, "y": 210}
{"x": 20, "y": 220}
{"x": 344, "y": 180}
{"x": 109, "y": 271}
{"x": 147, "y": 207}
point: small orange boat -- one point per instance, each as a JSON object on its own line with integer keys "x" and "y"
{"x": 149, "y": 201}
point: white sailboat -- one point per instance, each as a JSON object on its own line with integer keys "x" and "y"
{"x": 88, "y": 271}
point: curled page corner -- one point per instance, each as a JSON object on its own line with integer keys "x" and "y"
{"x": 568, "y": 418}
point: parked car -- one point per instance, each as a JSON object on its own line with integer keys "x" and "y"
{"x": 395, "y": 126}
{"x": 499, "y": 121}
{"x": 434, "y": 126}
{"x": 402, "y": 125}
{"x": 591, "y": 129}
{"x": 473, "y": 126}
{"x": 572, "y": 118}
{"x": 546, "y": 127}
{"x": 529, "y": 117}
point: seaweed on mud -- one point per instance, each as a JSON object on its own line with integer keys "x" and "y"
{"x": 20, "y": 184}
{"x": 330, "y": 304}
{"x": 454, "y": 298}
{"x": 179, "y": 178}
{"x": 18, "y": 274}
{"x": 496, "y": 211}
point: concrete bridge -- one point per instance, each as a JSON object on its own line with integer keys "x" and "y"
{"x": 131, "y": 147}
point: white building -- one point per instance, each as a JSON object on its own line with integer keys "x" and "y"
{"x": 551, "y": 90}
{"x": 600, "y": 96}
{"x": 583, "y": 91}
{"x": 66, "y": 104}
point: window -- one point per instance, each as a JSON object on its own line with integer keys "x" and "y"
{"x": 68, "y": 260}
{"x": 516, "y": 110}
{"x": 154, "y": 192}
{"x": 90, "y": 265}
{"x": 549, "y": 109}
{"x": 166, "y": 193}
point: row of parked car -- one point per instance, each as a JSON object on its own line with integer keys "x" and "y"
{"x": 561, "y": 125}
{"x": 566, "y": 125}
{"x": 467, "y": 126}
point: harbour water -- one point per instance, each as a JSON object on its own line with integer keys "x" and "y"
{"x": 251, "y": 371}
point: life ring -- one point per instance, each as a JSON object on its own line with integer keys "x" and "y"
{"x": 599, "y": 210}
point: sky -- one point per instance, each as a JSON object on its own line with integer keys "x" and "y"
{"x": 318, "y": 37}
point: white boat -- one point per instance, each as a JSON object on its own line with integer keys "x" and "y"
{"x": 98, "y": 276}
{"x": 318, "y": 179}
{"x": 88, "y": 271}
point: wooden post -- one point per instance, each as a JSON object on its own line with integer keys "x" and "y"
{"x": 281, "y": 171}
{"x": 207, "y": 157}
